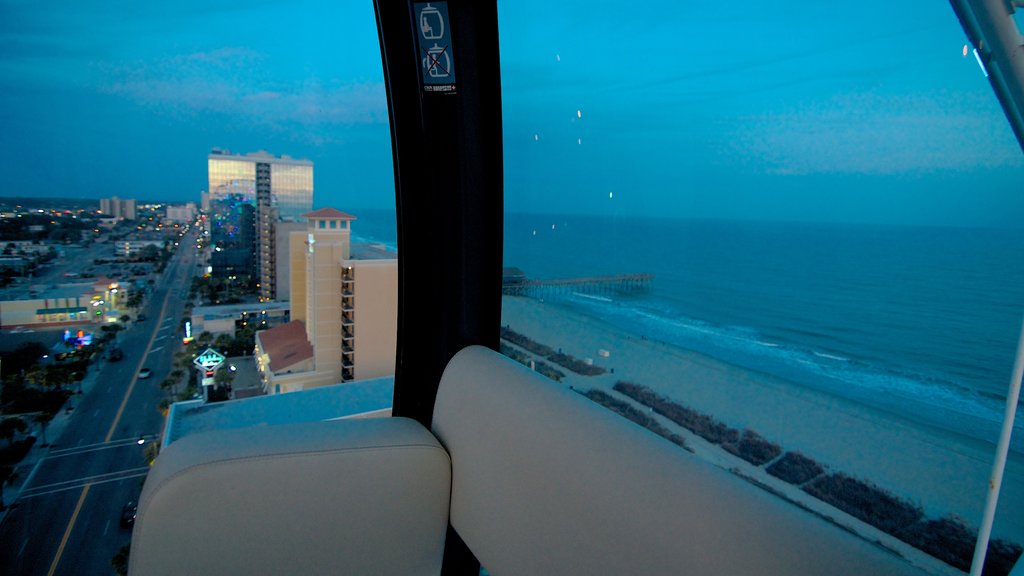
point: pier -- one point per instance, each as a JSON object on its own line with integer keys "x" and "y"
{"x": 515, "y": 283}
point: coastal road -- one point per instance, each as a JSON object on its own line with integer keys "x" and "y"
{"x": 66, "y": 519}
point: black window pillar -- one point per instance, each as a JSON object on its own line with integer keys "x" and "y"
{"x": 444, "y": 98}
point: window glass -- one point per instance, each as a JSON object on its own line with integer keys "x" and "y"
{"x": 797, "y": 221}
{"x": 199, "y": 135}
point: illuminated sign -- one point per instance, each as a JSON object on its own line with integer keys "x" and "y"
{"x": 209, "y": 360}
{"x": 78, "y": 339}
{"x": 188, "y": 333}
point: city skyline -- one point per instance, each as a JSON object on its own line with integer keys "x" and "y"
{"x": 862, "y": 118}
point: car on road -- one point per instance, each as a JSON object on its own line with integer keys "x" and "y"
{"x": 115, "y": 354}
{"x": 140, "y": 317}
{"x": 128, "y": 513}
{"x": 145, "y": 373}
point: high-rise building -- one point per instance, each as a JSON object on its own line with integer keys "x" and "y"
{"x": 344, "y": 315}
{"x": 266, "y": 217}
{"x": 233, "y": 240}
{"x": 291, "y": 180}
{"x": 123, "y": 209}
{"x": 279, "y": 189}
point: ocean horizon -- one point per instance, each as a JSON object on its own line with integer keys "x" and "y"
{"x": 918, "y": 321}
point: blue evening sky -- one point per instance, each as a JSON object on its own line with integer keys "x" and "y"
{"x": 865, "y": 112}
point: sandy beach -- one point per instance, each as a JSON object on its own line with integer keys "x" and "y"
{"x": 945, "y": 473}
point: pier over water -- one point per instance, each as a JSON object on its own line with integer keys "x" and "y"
{"x": 515, "y": 283}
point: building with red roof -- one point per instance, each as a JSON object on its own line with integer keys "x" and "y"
{"x": 344, "y": 310}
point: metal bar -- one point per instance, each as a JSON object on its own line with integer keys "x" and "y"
{"x": 993, "y": 32}
{"x": 996, "y": 480}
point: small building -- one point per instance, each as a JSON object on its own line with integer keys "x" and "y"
{"x": 226, "y": 318}
{"x": 71, "y": 304}
{"x": 26, "y": 248}
{"x": 283, "y": 351}
{"x": 181, "y": 212}
{"x": 132, "y": 247}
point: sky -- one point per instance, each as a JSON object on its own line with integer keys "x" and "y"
{"x": 782, "y": 110}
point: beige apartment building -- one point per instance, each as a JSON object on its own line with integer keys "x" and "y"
{"x": 344, "y": 310}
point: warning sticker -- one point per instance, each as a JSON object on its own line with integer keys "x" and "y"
{"x": 435, "y": 47}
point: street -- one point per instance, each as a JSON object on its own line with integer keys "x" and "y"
{"x": 66, "y": 519}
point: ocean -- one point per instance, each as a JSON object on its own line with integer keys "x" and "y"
{"x": 922, "y": 322}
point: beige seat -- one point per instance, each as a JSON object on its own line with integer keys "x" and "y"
{"x": 340, "y": 497}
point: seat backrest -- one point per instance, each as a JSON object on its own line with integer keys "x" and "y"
{"x": 340, "y": 497}
{"x": 546, "y": 482}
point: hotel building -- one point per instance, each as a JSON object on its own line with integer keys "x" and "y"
{"x": 344, "y": 312}
{"x": 280, "y": 189}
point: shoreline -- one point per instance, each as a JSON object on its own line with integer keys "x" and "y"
{"x": 928, "y": 411}
{"x": 944, "y": 472}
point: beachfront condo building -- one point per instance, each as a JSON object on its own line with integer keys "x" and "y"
{"x": 344, "y": 310}
{"x": 279, "y": 188}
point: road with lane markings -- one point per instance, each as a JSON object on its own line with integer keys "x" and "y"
{"x": 66, "y": 518}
